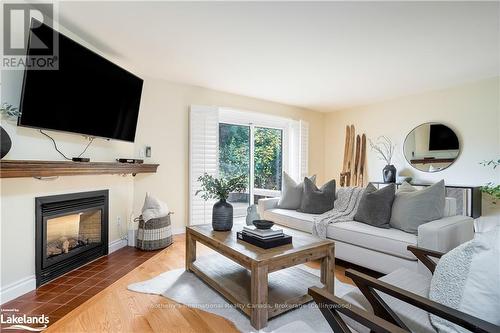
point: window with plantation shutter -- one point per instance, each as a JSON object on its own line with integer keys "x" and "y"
{"x": 203, "y": 158}
{"x": 304, "y": 149}
{"x": 247, "y": 141}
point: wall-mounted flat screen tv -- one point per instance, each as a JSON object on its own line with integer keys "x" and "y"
{"x": 442, "y": 138}
{"x": 87, "y": 94}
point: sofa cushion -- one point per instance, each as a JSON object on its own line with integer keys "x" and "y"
{"x": 391, "y": 241}
{"x": 416, "y": 319}
{"x": 317, "y": 200}
{"x": 412, "y": 208}
{"x": 291, "y": 196}
{"x": 376, "y": 205}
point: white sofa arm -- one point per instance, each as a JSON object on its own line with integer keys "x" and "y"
{"x": 446, "y": 233}
{"x": 266, "y": 204}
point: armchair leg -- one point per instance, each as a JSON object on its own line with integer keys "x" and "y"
{"x": 333, "y": 319}
{"x": 331, "y": 307}
{"x": 380, "y": 307}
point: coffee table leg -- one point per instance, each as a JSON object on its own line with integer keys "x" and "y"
{"x": 328, "y": 270}
{"x": 190, "y": 250}
{"x": 259, "y": 296}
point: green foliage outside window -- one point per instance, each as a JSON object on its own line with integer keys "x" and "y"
{"x": 234, "y": 154}
{"x": 234, "y": 150}
{"x": 268, "y": 158}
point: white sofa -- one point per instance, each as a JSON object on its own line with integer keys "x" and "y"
{"x": 382, "y": 250}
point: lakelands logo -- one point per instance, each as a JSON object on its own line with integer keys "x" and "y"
{"x": 28, "y": 40}
{"x": 21, "y": 322}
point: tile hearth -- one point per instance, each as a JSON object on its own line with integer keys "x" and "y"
{"x": 58, "y": 297}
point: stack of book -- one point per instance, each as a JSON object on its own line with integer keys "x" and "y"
{"x": 264, "y": 238}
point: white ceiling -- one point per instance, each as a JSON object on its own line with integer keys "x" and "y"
{"x": 324, "y": 56}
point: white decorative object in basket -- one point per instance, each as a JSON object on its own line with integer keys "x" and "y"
{"x": 155, "y": 229}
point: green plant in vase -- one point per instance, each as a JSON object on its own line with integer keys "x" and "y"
{"x": 11, "y": 113}
{"x": 219, "y": 189}
{"x": 492, "y": 189}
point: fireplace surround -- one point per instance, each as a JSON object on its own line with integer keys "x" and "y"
{"x": 70, "y": 231}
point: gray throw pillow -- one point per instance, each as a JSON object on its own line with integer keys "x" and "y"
{"x": 412, "y": 207}
{"x": 375, "y": 206}
{"x": 317, "y": 200}
{"x": 291, "y": 192}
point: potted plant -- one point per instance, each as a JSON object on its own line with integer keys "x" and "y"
{"x": 385, "y": 150}
{"x": 9, "y": 111}
{"x": 219, "y": 188}
{"x": 491, "y": 189}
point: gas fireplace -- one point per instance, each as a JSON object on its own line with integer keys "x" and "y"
{"x": 71, "y": 230}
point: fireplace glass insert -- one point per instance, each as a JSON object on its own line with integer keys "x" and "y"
{"x": 68, "y": 233}
{"x": 71, "y": 230}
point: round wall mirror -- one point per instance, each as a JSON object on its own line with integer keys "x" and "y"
{"x": 431, "y": 147}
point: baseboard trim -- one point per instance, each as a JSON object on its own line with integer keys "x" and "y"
{"x": 116, "y": 245}
{"x": 16, "y": 289}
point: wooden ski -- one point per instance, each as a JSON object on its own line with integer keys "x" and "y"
{"x": 351, "y": 156}
{"x": 343, "y": 176}
{"x": 356, "y": 161}
{"x": 362, "y": 161}
{"x": 353, "y": 167}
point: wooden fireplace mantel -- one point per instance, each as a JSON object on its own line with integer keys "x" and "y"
{"x": 38, "y": 169}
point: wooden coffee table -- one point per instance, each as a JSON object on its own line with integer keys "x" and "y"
{"x": 244, "y": 281}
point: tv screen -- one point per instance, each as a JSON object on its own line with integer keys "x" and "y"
{"x": 442, "y": 138}
{"x": 87, "y": 94}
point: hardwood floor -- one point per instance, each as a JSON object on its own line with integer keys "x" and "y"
{"x": 115, "y": 309}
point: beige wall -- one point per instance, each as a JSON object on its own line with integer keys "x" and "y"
{"x": 472, "y": 110}
{"x": 17, "y": 204}
{"x": 163, "y": 124}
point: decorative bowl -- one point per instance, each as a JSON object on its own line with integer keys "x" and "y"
{"x": 263, "y": 224}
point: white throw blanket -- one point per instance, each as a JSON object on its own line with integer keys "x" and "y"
{"x": 344, "y": 209}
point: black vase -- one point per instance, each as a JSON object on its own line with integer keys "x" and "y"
{"x": 222, "y": 216}
{"x": 5, "y": 143}
{"x": 389, "y": 173}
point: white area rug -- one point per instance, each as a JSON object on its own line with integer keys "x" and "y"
{"x": 185, "y": 288}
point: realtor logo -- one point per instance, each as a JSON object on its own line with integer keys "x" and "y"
{"x": 17, "y": 321}
{"x": 25, "y": 41}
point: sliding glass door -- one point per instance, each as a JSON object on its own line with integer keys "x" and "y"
{"x": 234, "y": 160}
{"x": 268, "y": 162}
{"x": 256, "y": 152}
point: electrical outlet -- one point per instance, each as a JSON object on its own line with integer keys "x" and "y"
{"x": 148, "y": 151}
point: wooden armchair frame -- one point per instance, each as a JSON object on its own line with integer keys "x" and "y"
{"x": 331, "y": 307}
{"x": 384, "y": 318}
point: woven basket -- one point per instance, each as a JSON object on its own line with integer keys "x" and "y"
{"x": 154, "y": 234}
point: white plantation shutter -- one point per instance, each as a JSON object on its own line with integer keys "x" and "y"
{"x": 304, "y": 149}
{"x": 203, "y": 158}
{"x": 294, "y": 150}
